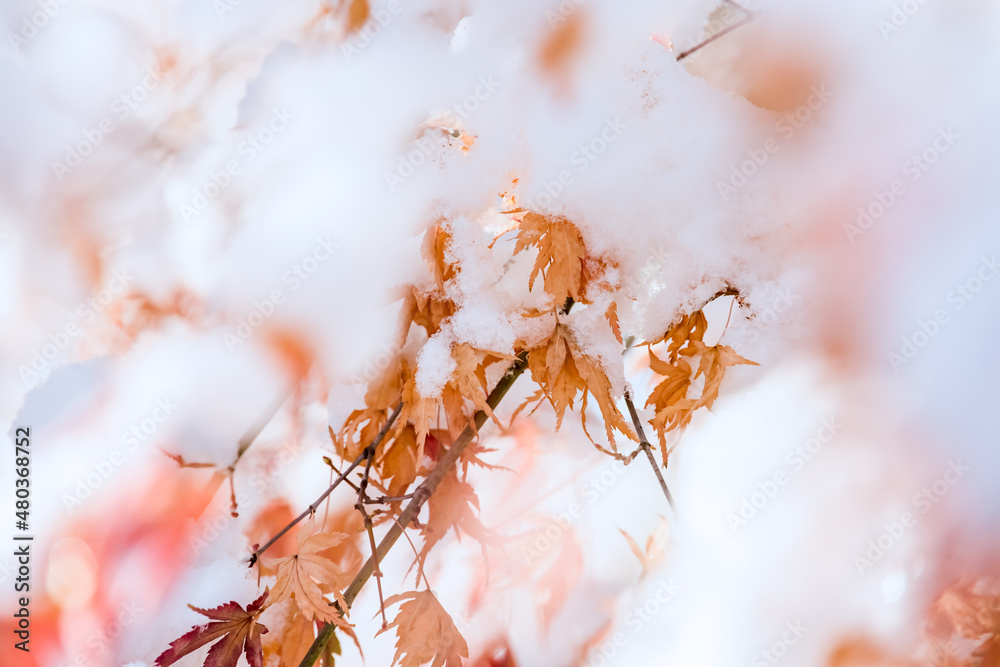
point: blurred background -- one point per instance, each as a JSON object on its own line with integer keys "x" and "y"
{"x": 207, "y": 210}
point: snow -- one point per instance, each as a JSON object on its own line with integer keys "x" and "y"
{"x": 283, "y": 184}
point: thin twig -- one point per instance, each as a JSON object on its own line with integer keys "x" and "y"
{"x": 360, "y": 506}
{"x": 334, "y": 468}
{"x": 312, "y": 508}
{"x": 420, "y": 496}
{"x": 251, "y": 435}
{"x": 747, "y": 18}
{"x": 385, "y": 500}
{"x": 376, "y": 572}
{"x": 646, "y": 447}
{"x": 420, "y": 565}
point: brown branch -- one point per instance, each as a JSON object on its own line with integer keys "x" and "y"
{"x": 251, "y": 435}
{"x": 385, "y": 500}
{"x": 326, "y": 460}
{"x": 312, "y": 508}
{"x": 360, "y": 506}
{"x": 420, "y": 496}
{"x": 748, "y": 16}
{"x": 646, "y": 447}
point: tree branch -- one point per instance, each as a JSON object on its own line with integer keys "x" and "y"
{"x": 312, "y": 508}
{"x": 420, "y": 496}
{"x": 747, "y": 18}
{"x": 646, "y": 447}
{"x": 251, "y": 434}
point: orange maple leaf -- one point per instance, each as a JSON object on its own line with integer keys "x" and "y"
{"x": 425, "y": 632}
{"x": 304, "y": 576}
{"x": 289, "y": 645}
{"x": 398, "y": 465}
{"x": 562, "y": 44}
{"x": 714, "y": 362}
{"x": 560, "y": 255}
{"x": 451, "y": 507}
{"x": 356, "y": 12}
{"x": 612, "y": 316}
{"x": 673, "y": 408}
{"x": 562, "y": 371}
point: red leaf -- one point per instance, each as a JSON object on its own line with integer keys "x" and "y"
{"x": 237, "y": 628}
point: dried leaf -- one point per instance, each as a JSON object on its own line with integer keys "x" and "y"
{"x": 357, "y": 12}
{"x": 434, "y": 249}
{"x": 399, "y": 463}
{"x": 634, "y": 546}
{"x": 425, "y": 632}
{"x": 236, "y": 630}
{"x": 560, "y": 255}
{"x": 674, "y": 408}
{"x": 304, "y": 576}
{"x": 714, "y": 362}
{"x": 562, "y": 43}
{"x": 612, "y": 316}
{"x": 655, "y": 546}
{"x": 451, "y": 507}
{"x": 563, "y": 371}
{"x": 290, "y": 644}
